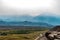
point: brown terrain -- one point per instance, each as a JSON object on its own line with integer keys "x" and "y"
{"x": 53, "y": 34}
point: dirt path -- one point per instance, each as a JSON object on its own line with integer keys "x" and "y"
{"x": 40, "y": 37}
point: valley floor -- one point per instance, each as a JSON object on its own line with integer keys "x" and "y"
{"x": 30, "y": 36}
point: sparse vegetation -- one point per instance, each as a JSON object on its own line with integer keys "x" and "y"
{"x": 24, "y": 34}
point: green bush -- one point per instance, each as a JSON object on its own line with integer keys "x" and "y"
{"x": 19, "y": 32}
{"x": 3, "y": 34}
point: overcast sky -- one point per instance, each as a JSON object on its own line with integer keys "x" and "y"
{"x": 29, "y": 7}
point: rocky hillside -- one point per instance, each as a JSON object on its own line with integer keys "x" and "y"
{"x": 56, "y": 28}
{"x": 53, "y": 34}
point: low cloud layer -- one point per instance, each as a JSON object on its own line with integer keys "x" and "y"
{"x": 31, "y": 7}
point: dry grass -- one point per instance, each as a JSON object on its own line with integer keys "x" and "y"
{"x": 30, "y": 36}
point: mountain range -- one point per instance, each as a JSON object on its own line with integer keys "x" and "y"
{"x": 40, "y": 20}
{"x": 25, "y": 23}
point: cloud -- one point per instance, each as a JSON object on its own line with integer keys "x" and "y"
{"x": 29, "y": 7}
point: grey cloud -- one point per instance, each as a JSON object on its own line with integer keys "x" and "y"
{"x": 11, "y": 11}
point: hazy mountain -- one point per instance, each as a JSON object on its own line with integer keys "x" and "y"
{"x": 16, "y": 18}
{"x": 25, "y": 23}
{"x": 53, "y": 20}
{"x": 48, "y": 19}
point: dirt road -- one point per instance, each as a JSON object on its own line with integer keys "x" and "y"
{"x": 41, "y": 37}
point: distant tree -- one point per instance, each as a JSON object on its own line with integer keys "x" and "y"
{"x": 3, "y": 34}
